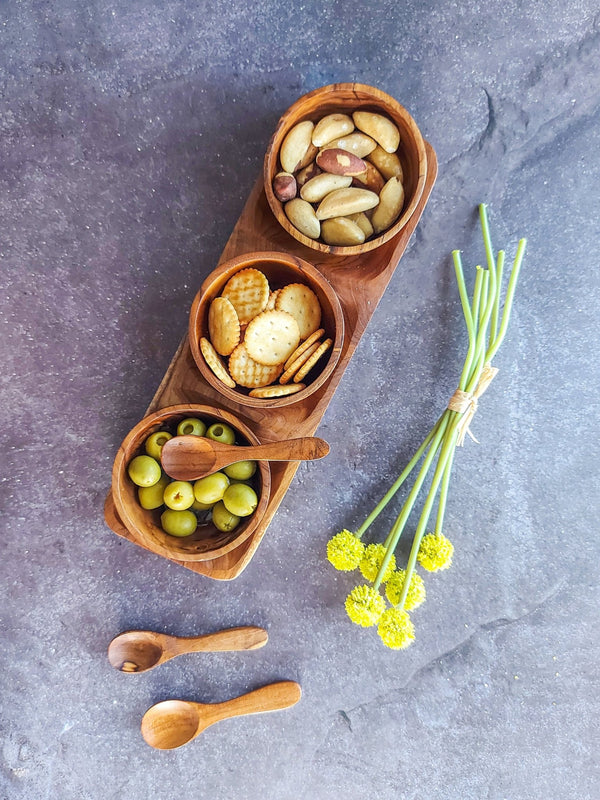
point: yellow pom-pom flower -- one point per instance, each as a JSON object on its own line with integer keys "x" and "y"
{"x": 345, "y": 551}
{"x": 396, "y": 629}
{"x": 371, "y": 561}
{"x": 416, "y": 591}
{"x": 364, "y": 605}
{"x": 435, "y": 552}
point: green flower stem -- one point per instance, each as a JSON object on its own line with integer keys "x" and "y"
{"x": 508, "y": 300}
{"x": 483, "y": 304}
{"x": 410, "y": 500}
{"x": 399, "y": 481}
{"x": 496, "y": 309}
{"x": 487, "y": 239}
{"x": 439, "y": 522}
{"x": 445, "y": 455}
{"x": 477, "y": 297}
{"x": 466, "y": 306}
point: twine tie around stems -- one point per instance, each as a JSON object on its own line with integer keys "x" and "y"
{"x": 466, "y": 403}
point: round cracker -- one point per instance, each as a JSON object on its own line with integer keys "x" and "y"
{"x": 223, "y": 326}
{"x": 303, "y": 304}
{"x": 214, "y": 362}
{"x": 248, "y": 292}
{"x": 277, "y": 390}
{"x": 271, "y": 301}
{"x": 289, "y": 373}
{"x": 248, "y": 372}
{"x": 308, "y": 365}
{"x": 314, "y": 337}
{"x": 272, "y": 337}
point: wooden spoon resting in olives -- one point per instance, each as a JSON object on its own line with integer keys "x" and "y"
{"x": 188, "y": 458}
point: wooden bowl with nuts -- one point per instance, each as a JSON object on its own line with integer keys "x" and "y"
{"x": 210, "y": 536}
{"x": 266, "y": 329}
{"x": 345, "y": 169}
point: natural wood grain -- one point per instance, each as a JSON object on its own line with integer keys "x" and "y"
{"x": 188, "y": 458}
{"x": 206, "y": 542}
{"x": 139, "y": 651}
{"x": 280, "y": 269}
{"x": 359, "y": 282}
{"x": 346, "y": 98}
{"x": 173, "y": 723}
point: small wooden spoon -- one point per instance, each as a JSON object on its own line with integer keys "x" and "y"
{"x": 188, "y": 458}
{"x": 173, "y": 723}
{"x": 138, "y": 651}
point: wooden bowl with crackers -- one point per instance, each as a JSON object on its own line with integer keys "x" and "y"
{"x": 345, "y": 169}
{"x": 266, "y": 329}
{"x": 206, "y": 542}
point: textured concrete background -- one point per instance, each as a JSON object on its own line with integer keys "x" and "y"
{"x": 130, "y": 136}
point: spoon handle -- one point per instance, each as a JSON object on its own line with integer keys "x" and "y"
{"x": 244, "y": 638}
{"x": 305, "y": 448}
{"x": 273, "y": 697}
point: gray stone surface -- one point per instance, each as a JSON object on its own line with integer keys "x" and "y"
{"x": 130, "y": 136}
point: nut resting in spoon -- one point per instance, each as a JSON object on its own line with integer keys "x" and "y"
{"x": 139, "y": 651}
{"x": 190, "y": 458}
{"x": 173, "y": 723}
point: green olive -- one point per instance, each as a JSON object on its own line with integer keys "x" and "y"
{"x": 240, "y": 499}
{"x": 241, "y": 470}
{"x": 211, "y": 488}
{"x": 223, "y": 519}
{"x": 152, "y": 496}
{"x": 178, "y": 523}
{"x": 191, "y": 427}
{"x": 154, "y": 443}
{"x": 179, "y": 495}
{"x": 144, "y": 471}
{"x": 198, "y": 506}
{"x": 221, "y": 433}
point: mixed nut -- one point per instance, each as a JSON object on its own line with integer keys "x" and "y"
{"x": 341, "y": 179}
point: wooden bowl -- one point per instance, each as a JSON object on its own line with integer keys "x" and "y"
{"x": 207, "y": 542}
{"x": 346, "y": 98}
{"x": 280, "y": 269}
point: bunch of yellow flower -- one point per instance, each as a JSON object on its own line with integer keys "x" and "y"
{"x": 404, "y": 588}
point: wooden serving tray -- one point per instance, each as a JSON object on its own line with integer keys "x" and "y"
{"x": 359, "y": 281}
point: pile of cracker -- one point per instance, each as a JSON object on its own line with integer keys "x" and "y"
{"x": 271, "y": 339}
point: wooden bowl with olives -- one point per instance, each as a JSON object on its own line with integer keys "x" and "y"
{"x": 345, "y": 169}
{"x": 189, "y": 521}
{"x": 266, "y": 329}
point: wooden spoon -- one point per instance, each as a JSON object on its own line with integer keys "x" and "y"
{"x": 173, "y": 723}
{"x": 138, "y": 651}
{"x": 188, "y": 458}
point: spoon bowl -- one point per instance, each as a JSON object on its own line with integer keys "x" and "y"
{"x": 189, "y": 458}
{"x": 139, "y": 651}
{"x": 173, "y": 723}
